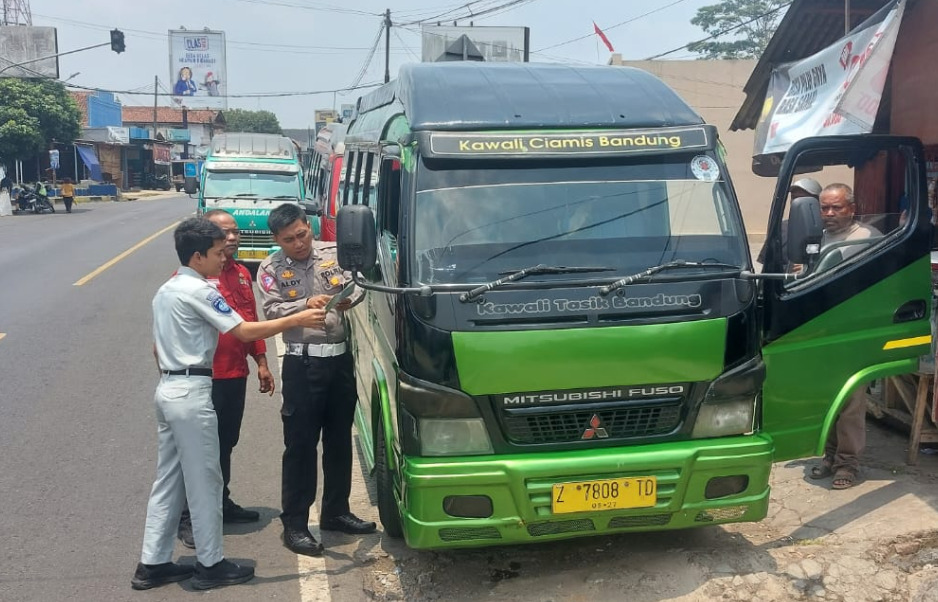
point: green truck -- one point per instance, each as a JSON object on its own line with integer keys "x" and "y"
{"x": 248, "y": 175}
{"x": 564, "y": 332}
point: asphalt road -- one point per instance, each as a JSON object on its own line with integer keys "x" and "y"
{"x": 77, "y": 431}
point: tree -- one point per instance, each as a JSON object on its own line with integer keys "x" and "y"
{"x": 261, "y": 122}
{"x": 35, "y": 112}
{"x": 753, "y": 22}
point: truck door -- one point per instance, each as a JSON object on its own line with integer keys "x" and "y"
{"x": 859, "y": 306}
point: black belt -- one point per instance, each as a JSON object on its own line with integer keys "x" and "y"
{"x": 189, "y": 372}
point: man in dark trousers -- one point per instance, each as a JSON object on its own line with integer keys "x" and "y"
{"x": 188, "y": 314}
{"x": 230, "y": 370}
{"x": 318, "y": 380}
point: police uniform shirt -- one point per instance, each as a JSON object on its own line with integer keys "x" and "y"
{"x": 188, "y": 314}
{"x": 286, "y": 284}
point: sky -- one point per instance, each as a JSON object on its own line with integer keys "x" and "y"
{"x": 288, "y": 46}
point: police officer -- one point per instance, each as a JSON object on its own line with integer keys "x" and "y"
{"x": 188, "y": 314}
{"x": 318, "y": 380}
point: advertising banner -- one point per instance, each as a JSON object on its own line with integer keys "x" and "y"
{"x": 489, "y": 43}
{"x": 836, "y": 91}
{"x": 197, "y": 68}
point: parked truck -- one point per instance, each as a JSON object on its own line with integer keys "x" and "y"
{"x": 564, "y": 333}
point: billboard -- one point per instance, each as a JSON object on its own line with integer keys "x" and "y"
{"x": 22, "y": 43}
{"x": 455, "y": 43}
{"x": 197, "y": 68}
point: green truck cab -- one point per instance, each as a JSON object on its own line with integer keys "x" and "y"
{"x": 248, "y": 175}
{"x": 564, "y": 334}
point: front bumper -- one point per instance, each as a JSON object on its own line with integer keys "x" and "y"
{"x": 520, "y": 489}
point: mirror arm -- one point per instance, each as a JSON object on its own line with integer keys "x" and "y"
{"x": 423, "y": 291}
{"x": 753, "y": 276}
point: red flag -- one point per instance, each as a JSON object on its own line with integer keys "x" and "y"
{"x": 603, "y": 37}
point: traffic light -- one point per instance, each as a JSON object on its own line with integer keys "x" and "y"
{"x": 117, "y": 40}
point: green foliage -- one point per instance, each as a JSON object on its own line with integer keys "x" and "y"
{"x": 33, "y": 114}
{"x": 242, "y": 120}
{"x": 746, "y": 42}
{"x": 19, "y": 135}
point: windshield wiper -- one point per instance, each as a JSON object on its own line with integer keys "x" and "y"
{"x": 515, "y": 275}
{"x": 671, "y": 265}
{"x": 245, "y": 194}
{"x": 282, "y": 196}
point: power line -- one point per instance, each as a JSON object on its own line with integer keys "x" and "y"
{"x": 626, "y": 22}
{"x": 721, "y": 33}
{"x": 404, "y": 44}
{"x": 326, "y": 9}
{"x": 248, "y": 95}
{"x": 371, "y": 55}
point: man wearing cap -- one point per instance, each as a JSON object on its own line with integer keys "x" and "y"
{"x": 801, "y": 188}
{"x": 848, "y": 437}
{"x": 319, "y": 392}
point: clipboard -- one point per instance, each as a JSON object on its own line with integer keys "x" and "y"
{"x": 346, "y": 291}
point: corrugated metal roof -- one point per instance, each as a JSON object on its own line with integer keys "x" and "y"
{"x": 808, "y": 26}
{"x": 476, "y": 96}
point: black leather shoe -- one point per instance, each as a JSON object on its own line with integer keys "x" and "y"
{"x": 347, "y": 523}
{"x": 148, "y": 576}
{"x": 184, "y": 532}
{"x": 301, "y": 541}
{"x": 233, "y": 513}
{"x": 224, "y": 572}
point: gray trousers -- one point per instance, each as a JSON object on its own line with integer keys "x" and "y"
{"x": 187, "y": 469}
{"x": 848, "y": 437}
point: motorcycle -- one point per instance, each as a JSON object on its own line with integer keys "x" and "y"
{"x": 29, "y": 200}
{"x": 156, "y": 182}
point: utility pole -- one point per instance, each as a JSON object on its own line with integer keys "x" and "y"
{"x": 387, "y": 45}
{"x": 156, "y": 85}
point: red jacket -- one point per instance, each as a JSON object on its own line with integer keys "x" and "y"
{"x": 234, "y": 283}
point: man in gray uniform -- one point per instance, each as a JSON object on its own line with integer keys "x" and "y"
{"x": 188, "y": 314}
{"x": 318, "y": 379}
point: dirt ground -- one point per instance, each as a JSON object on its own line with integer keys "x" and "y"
{"x": 875, "y": 542}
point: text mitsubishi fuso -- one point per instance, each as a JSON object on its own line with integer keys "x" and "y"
{"x": 564, "y": 334}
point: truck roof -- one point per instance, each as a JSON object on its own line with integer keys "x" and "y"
{"x": 243, "y": 144}
{"x": 470, "y": 95}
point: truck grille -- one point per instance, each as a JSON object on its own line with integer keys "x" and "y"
{"x": 567, "y": 426}
{"x": 256, "y": 239}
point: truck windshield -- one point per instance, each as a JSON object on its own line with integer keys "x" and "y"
{"x": 243, "y": 184}
{"x": 473, "y": 222}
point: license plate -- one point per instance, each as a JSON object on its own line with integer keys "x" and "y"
{"x": 606, "y": 494}
{"x": 250, "y": 254}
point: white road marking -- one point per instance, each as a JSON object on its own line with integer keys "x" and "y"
{"x": 314, "y": 582}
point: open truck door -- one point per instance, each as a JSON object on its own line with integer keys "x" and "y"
{"x": 858, "y": 309}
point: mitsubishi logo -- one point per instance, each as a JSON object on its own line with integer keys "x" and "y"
{"x": 595, "y": 429}
{"x": 252, "y": 224}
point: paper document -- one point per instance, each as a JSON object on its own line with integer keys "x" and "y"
{"x": 347, "y": 290}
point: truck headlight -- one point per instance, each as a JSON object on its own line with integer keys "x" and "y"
{"x": 723, "y": 419}
{"x": 729, "y": 406}
{"x": 453, "y": 437}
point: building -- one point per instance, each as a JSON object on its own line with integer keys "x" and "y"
{"x": 907, "y": 107}
{"x": 715, "y": 90}
{"x": 180, "y": 133}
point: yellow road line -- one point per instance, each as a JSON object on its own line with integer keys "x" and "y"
{"x": 901, "y": 343}
{"x": 2, "y": 334}
{"x": 110, "y": 263}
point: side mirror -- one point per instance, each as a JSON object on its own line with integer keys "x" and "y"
{"x": 191, "y": 185}
{"x": 356, "y": 238}
{"x": 805, "y": 230}
{"x": 311, "y": 208}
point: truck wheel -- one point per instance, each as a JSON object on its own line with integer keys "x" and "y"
{"x": 387, "y": 506}
{"x": 178, "y": 187}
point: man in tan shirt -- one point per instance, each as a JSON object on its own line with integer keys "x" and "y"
{"x": 319, "y": 392}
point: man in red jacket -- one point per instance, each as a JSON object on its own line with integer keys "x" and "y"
{"x": 230, "y": 370}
